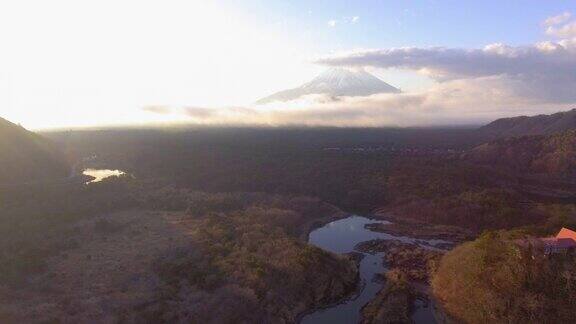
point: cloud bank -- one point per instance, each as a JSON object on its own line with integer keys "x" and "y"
{"x": 544, "y": 71}
{"x": 472, "y": 86}
{"x": 490, "y": 82}
{"x": 161, "y": 110}
{"x": 558, "y": 19}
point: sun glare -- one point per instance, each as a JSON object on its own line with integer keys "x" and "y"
{"x": 100, "y": 63}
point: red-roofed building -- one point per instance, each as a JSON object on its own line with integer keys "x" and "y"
{"x": 563, "y": 242}
{"x": 566, "y": 234}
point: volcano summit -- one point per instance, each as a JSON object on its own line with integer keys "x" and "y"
{"x": 336, "y": 82}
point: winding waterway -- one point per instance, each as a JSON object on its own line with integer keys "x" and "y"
{"x": 342, "y": 236}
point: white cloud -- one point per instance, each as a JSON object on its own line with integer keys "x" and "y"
{"x": 560, "y": 26}
{"x": 452, "y": 63}
{"x": 158, "y": 109}
{"x": 199, "y": 112}
{"x": 564, "y": 31}
{"x": 343, "y": 21}
{"x": 449, "y": 103}
{"x": 471, "y": 86}
{"x": 559, "y": 19}
{"x": 550, "y": 64}
{"x": 543, "y": 71}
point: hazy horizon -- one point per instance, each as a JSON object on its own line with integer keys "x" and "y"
{"x": 71, "y": 64}
{"x": 288, "y": 161}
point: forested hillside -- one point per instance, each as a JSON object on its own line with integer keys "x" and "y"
{"x": 492, "y": 280}
{"x": 533, "y": 125}
{"x": 26, "y": 156}
{"x": 552, "y": 154}
{"x": 159, "y": 254}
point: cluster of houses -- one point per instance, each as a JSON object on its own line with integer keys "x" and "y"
{"x": 563, "y": 242}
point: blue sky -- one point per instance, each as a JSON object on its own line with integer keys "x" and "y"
{"x": 73, "y": 63}
{"x": 450, "y": 23}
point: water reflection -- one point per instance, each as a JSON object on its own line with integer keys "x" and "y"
{"x": 101, "y": 174}
{"x": 342, "y": 236}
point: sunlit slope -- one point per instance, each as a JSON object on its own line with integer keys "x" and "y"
{"x": 535, "y": 125}
{"x": 26, "y": 156}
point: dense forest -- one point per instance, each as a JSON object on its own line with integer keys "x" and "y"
{"x": 436, "y": 176}
{"x": 328, "y": 163}
{"x": 531, "y": 125}
{"x": 212, "y": 258}
{"x": 211, "y": 224}
{"x": 551, "y": 154}
{"x": 494, "y": 280}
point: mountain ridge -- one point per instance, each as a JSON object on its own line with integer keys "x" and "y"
{"x": 531, "y": 125}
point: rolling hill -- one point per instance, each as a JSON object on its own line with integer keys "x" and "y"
{"x": 26, "y": 156}
{"x": 534, "y": 125}
{"x": 549, "y": 154}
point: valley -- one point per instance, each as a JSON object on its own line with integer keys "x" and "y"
{"x": 287, "y": 162}
{"x": 200, "y": 218}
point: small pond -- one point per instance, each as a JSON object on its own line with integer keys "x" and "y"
{"x": 101, "y": 174}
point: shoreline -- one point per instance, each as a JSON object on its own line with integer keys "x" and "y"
{"x": 305, "y": 236}
{"x": 353, "y": 295}
{"x": 316, "y": 223}
{"x": 400, "y": 226}
{"x": 421, "y": 289}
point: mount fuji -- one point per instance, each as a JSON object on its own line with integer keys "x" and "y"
{"x": 335, "y": 82}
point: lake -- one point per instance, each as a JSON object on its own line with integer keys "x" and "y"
{"x": 101, "y": 174}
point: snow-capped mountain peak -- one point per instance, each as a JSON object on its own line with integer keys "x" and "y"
{"x": 336, "y": 82}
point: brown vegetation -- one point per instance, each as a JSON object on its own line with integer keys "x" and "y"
{"x": 456, "y": 193}
{"x": 552, "y": 154}
{"x": 35, "y": 220}
{"x": 420, "y": 230}
{"x": 535, "y": 125}
{"x": 393, "y": 304}
{"x": 240, "y": 257}
{"x": 249, "y": 248}
{"x": 215, "y": 258}
{"x": 414, "y": 261}
{"x": 491, "y": 280}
